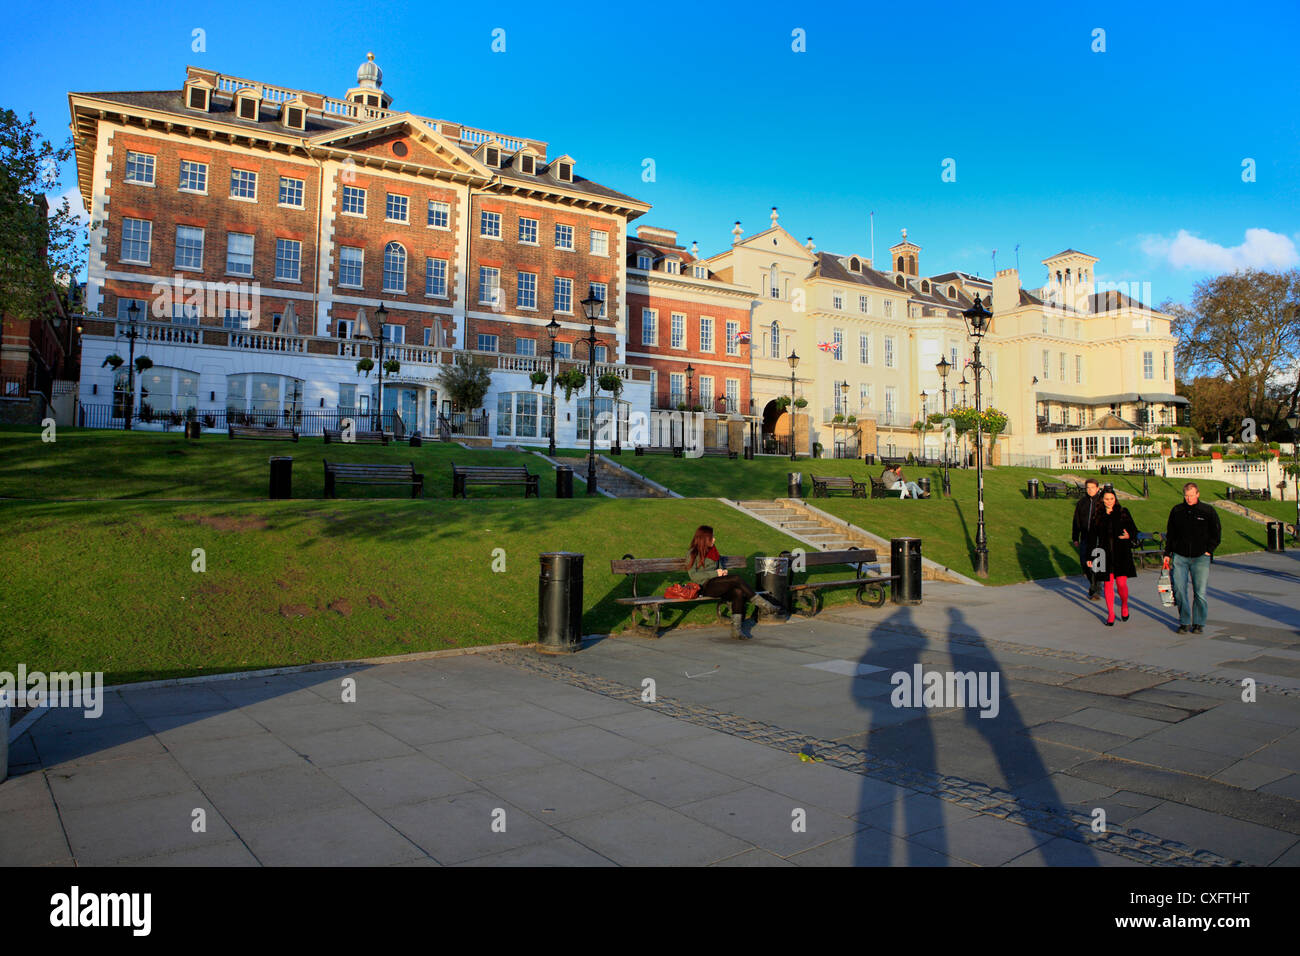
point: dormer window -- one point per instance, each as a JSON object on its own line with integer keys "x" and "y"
{"x": 672, "y": 266}
{"x": 701, "y": 272}
{"x": 952, "y": 292}
{"x": 247, "y": 105}
{"x": 643, "y": 261}
{"x": 899, "y": 281}
{"x": 294, "y": 114}
{"x": 565, "y": 172}
{"x": 492, "y": 156}
{"x": 198, "y": 96}
{"x": 527, "y": 164}
{"x": 925, "y": 286}
{"x": 855, "y": 265}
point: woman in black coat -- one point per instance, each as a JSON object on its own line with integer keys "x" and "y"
{"x": 1113, "y": 535}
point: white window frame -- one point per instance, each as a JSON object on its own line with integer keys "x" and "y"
{"x": 429, "y": 273}
{"x": 352, "y": 192}
{"x": 135, "y": 161}
{"x": 520, "y": 284}
{"x": 202, "y": 174}
{"x": 557, "y": 296}
{"x": 294, "y": 245}
{"x": 864, "y": 348}
{"x": 604, "y": 242}
{"x": 489, "y": 282}
{"x": 559, "y": 233}
{"x": 677, "y": 331}
{"x": 147, "y": 241}
{"x": 252, "y": 246}
{"x": 837, "y": 339}
{"x": 236, "y": 179}
{"x": 300, "y": 189}
{"x": 395, "y": 290}
{"x": 361, "y": 267}
{"x": 534, "y": 227}
{"x": 644, "y": 261}
{"x": 653, "y": 337}
{"x": 493, "y": 340}
{"x": 403, "y": 201}
{"x": 438, "y": 209}
{"x": 1148, "y": 366}
{"x": 891, "y": 356}
{"x": 706, "y": 326}
{"x": 489, "y": 225}
{"x": 733, "y": 337}
{"x": 202, "y": 241}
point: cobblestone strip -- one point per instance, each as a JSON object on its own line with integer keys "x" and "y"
{"x": 1033, "y": 651}
{"x": 1057, "y": 821}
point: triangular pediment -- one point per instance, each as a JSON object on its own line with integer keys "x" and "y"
{"x": 776, "y": 240}
{"x": 403, "y": 139}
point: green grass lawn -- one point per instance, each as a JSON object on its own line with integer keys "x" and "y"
{"x": 109, "y": 585}
{"x": 95, "y": 463}
{"x": 1282, "y": 510}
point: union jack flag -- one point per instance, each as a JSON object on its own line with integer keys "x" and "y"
{"x": 826, "y": 346}
{"x": 742, "y": 337}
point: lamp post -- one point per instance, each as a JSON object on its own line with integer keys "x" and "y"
{"x": 381, "y": 314}
{"x": 591, "y": 306}
{"x": 1294, "y": 421}
{"x": 552, "y": 329}
{"x": 844, "y": 395}
{"x": 977, "y": 324}
{"x": 793, "y": 359}
{"x": 920, "y": 434}
{"x": 963, "y": 383}
{"x": 943, "y": 368}
{"x": 132, "y": 333}
{"x": 690, "y": 389}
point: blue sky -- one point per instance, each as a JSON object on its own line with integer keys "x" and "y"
{"x": 1133, "y": 155}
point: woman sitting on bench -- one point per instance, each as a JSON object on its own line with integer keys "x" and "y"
{"x": 716, "y": 582}
{"x": 894, "y": 481}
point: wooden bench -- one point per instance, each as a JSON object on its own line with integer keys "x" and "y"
{"x": 674, "y": 450}
{"x": 719, "y": 452}
{"x": 462, "y": 477}
{"x": 1060, "y": 489}
{"x": 823, "y": 485}
{"x": 1247, "y": 494}
{"x": 338, "y": 472}
{"x": 892, "y": 462}
{"x": 806, "y": 599}
{"x": 647, "y": 610}
{"x": 1149, "y": 549}
{"x": 250, "y": 431}
{"x": 358, "y": 437}
{"x": 878, "y": 489}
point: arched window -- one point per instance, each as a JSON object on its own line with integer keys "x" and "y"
{"x": 774, "y": 281}
{"x": 899, "y": 281}
{"x": 911, "y": 264}
{"x": 952, "y": 292}
{"x": 901, "y": 264}
{"x": 925, "y": 286}
{"x": 855, "y": 265}
{"x": 394, "y": 268}
{"x": 776, "y": 340}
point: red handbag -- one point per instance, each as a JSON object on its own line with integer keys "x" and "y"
{"x": 683, "y": 592}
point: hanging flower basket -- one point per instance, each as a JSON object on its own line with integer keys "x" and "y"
{"x": 392, "y": 366}
{"x": 113, "y": 360}
{"x": 610, "y": 382}
{"x": 537, "y": 378}
{"x": 783, "y": 402}
{"x": 143, "y": 364}
{"x": 571, "y": 381}
{"x": 365, "y": 365}
{"x": 801, "y": 402}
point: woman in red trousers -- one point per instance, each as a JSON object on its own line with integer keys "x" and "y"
{"x": 1112, "y": 556}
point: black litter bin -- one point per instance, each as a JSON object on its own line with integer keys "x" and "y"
{"x": 1033, "y": 487}
{"x": 749, "y": 453}
{"x": 924, "y": 484}
{"x": 1276, "y": 536}
{"x": 773, "y": 578}
{"x": 794, "y": 484}
{"x": 564, "y": 482}
{"x": 417, "y": 440}
{"x": 281, "y": 477}
{"x": 905, "y": 569}
{"x": 192, "y": 430}
{"x": 559, "y": 603}
{"x": 868, "y": 459}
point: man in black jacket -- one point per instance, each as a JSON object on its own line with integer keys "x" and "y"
{"x": 1081, "y": 532}
{"x": 1191, "y": 536}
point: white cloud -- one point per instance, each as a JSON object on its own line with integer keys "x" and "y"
{"x": 1261, "y": 249}
{"x": 73, "y": 196}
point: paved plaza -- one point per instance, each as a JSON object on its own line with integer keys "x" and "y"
{"x": 1122, "y": 746}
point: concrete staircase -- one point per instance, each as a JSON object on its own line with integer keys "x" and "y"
{"x": 798, "y": 522}
{"x": 618, "y": 484}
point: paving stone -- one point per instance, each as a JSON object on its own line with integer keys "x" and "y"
{"x": 459, "y": 827}
{"x": 586, "y": 745}
{"x": 435, "y": 726}
{"x": 1249, "y": 775}
{"x": 1123, "y": 725}
{"x": 559, "y": 852}
{"x": 391, "y": 781}
{"x": 339, "y": 836}
{"x": 296, "y": 789}
{"x": 26, "y": 792}
{"x": 1077, "y": 735}
{"x": 181, "y": 699}
{"x": 1064, "y": 852}
{"x": 98, "y": 745}
{"x": 647, "y": 834}
{"x": 912, "y": 814}
{"x": 174, "y": 729}
{"x": 984, "y": 841}
{"x": 1206, "y": 739}
{"x": 85, "y": 785}
{"x": 1181, "y": 699}
{"x": 1184, "y": 759}
{"x": 206, "y": 759}
{"x": 765, "y": 819}
{"x": 1286, "y": 787}
{"x": 32, "y": 835}
{"x": 753, "y": 857}
{"x": 477, "y": 757}
{"x": 729, "y": 755}
{"x": 1235, "y": 839}
{"x": 558, "y": 792}
{"x": 844, "y": 792}
{"x": 1117, "y": 681}
{"x": 872, "y": 847}
{"x": 349, "y": 745}
{"x": 523, "y": 717}
{"x": 225, "y": 853}
{"x": 106, "y": 833}
{"x": 647, "y": 727}
{"x": 666, "y": 779}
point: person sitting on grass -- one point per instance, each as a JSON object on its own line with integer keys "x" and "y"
{"x": 703, "y": 567}
{"x": 894, "y": 481}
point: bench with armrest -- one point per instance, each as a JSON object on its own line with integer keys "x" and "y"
{"x": 1060, "y": 489}
{"x": 719, "y": 452}
{"x": 358, "y": 437}
{"x": 464, "y": 476}
{"x": 870, "y": 583}
{"x": 823, "y": 485}
{"x": 647, "y": 610}
{"x": 355, "y": 473}
{"x": 1149, "y": 549}
{"x": 250, "y": 431}
{"x": 674, "y": 450}
{"x": 878, "y": 489}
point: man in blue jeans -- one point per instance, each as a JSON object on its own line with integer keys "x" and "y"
{"x": 1191, "y": 536}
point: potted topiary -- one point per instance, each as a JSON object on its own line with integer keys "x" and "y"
{"x": 365, "y": 365}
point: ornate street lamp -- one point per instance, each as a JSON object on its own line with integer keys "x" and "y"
{"x": 382, "y": 315}
{"x": 591, "y": 306}
{"x": 920, "y": 435}
{"x": 690, "y": 389}
{"x": 132, "y": 333}
{"x": 977, "y": 325}
{"x": 552, "y": 329}
{"x": 793, "y": 359}
{"x": 943, "y": 368}
{"x": 844, "y": 396}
